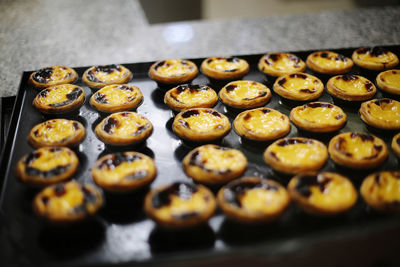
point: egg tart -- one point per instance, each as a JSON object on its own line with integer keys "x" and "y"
{"x": 124, "y": 171}
{"x": 100, "y": 76}
{"x": 59, "y": 99}
{"x": 212, "y": 164}
{"x": 324, "y": 193}
{"x": 328, "y": 62}
{"x": 396, "y": 144}
{"x": 117, "y": 97}
{"x": 389, "y": 81}
{"x": 381, "y": 191}
{"x": 278, "y": 64}
{"x": 188, "y": 96}
{"x": 253, "y": 200}
{"x": 299, "y": 87}
{"x": 201, "y": 124}
{"x": 358, "y": 150}
{"x": 296, "y": 155}
{"x": 124, "y": 128}
{"x": 351, "y": 87}
{"x": 173, "y": 71}
{"x": 53, "y": 75}
{"x": 57, "y": 132}
{"x": 262, "y": 124}
{"x": 318, "y": 117}
{"x": 180, "y": 205}
{"x": 245, "y": 94}
{"x": 225, "y": 68}
{"x": 381, "y": 113}
{"x": 47, "y": 165}
{"x": 67, "y": 202}
{"x": 375, "y": 58}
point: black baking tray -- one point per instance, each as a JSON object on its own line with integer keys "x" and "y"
{"x": 122, "y": 235}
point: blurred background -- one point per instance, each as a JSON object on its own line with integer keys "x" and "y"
{"x": 159, "y": 11}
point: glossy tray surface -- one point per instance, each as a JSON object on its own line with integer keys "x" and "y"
{"x": 121, "y": 233}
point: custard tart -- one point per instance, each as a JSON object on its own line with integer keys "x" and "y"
{"x": 57, "y": 132}
{"x": 180, "y": 205}
{"x": 328, "y": 62}
{"x": 324, "y": 193}
{"x": 173, "y": 71}
{"x": 278, "y": 64}
{"x": 299, "y": 86}
{"x": 375, "y": 58}
{"x": 245, "y": 94}
{"x": 351, "y": 87}
{"x": 212, "y": 164}
{"x": 262, "y": 124}
{"x": 124, "y": 171}
{"x": 253, "y": 200}
{"x": 53, "y": 75}
{"x": 396, "y": 144}
{"x": 188, "y": 96}
{"x": 201, "y": 124}
{"x": 47, "y": 165}
{"x": 225, "y": 68}
{"x": 100, "y": 76}
{"x": 296, "y": 155}
{"x": 389, "y": 81}
{"x": 358, "y": 150}
{"x": 124, "y": 128}
{"x": 68, "y": 202}
{"x": 320, "y": 117}
{"x": 117, "y": 97}
{"x": 381, "y": 113}
{"x": 381, "y": 191}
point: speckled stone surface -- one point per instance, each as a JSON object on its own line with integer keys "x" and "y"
{"x": 35, "y": 34}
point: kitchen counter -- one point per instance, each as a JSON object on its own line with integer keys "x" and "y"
{"x": 35, "y": 34}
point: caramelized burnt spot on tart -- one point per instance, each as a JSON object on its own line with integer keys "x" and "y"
{"x": 173, "y": 71}
{"x": 56, "y": 132}
{"x": 123, "y": 171}
{"x": 59, "y": 98}
{"x": 299, "y": 86}
{"x": 351, "y": 87}
{"x": 318, "y": 117}
{"x": 117, "y": 97}
{"x": 389, "y": 81}
{"x": 100, "y": 76}
{"x": 278, "y": 64}
{"x": 53, "y": 75}
{"x": 245, "y": 94}
{"x": 375, "y": 58}
{"x": 123, "y": 128}
{"x": 381, "y": 191}
{"x": 180, "y": 205}
{"x": 214, "y": 164}
{"x": 328, "y": 62}
{"x": 262, "y": 124}
{"x": 396, "y": 144}
{"x": 296, "y": 154}
{"x": 47, "y": 165}
{"x": 188, "y": 96}
{"x": 67, "y": 202}
{"x": 381, "y": 113}
{"x": 323, "y": 193}
{"x": 201, "y": 124}
{"x": 358, "y": 150}
{"x": 224, "y": 67}
{"x": 253, "y": 200}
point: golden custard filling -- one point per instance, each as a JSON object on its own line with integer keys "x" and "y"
{"x": 226, "y": 64}
{"x": 385, "y": 110}
{"x": 298, "y": 154}
{"x": 335, "y": 192}
{"x": 386, "y": 187}
{"x": 189, "y": 96}
{"x": 58, "y": 94}
{"x": 56, "y": 130}
{"x": 358, "y": 147}
{"x": 391, "y": 78}
{"x": 50, "y": 158}
{"x": 283, "y": 62}
{"x": 116, "y": 94}
{"x": 322, "y": 114}
{"x": 204, "y": 122}
{"x": 352, "y": 84}
{"x": 261, "y": 122}
{"x": 173, "y": 67}
{"x": 54, "y": 73}
{"x": 125, "y": 124}
{"x": 245, "y": 90}
{"x": 299, "y": 83}
{"x": 262, "y": 200}
{"x": 381, "y": 58}
{"x": 220, "y": 159}
{"x": 330, "y": 60}
{"x": 121, "y": 172}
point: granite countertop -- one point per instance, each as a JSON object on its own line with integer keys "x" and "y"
{"x": 35, "y": 34}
